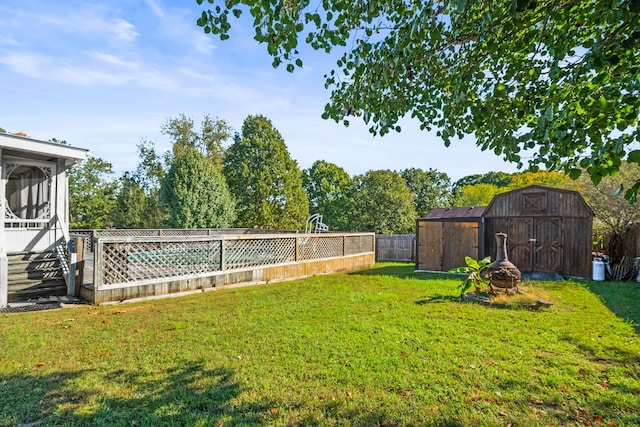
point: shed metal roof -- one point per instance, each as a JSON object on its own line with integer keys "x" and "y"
{"x": 463, "y": 213}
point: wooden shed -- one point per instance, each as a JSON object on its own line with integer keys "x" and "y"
{"x": 549, "y": 231}
{"x": 446, "y": 235}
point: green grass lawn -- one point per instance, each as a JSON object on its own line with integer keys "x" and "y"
{"x": 384, "y": 346}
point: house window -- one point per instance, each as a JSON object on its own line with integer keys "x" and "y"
{"x": 28, "y": 193}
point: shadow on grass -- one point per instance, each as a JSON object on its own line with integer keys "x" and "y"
{"x": 188, "y": 395}
{"x": 26, "y": 399}
{"x": 621, "y": 298}
{"x": 435, "y": 299}
{"x": 404, "y": 271}
{"x": 335, "y": 413}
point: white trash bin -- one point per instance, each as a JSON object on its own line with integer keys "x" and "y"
{"x": 598, "y": 269}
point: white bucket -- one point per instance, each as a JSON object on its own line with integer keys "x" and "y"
{"x": 598, "y": 269}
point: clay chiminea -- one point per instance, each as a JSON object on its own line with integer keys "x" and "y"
{"x": 502, "y": 273}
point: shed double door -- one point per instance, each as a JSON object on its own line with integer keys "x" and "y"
{"x": 535, "y": 244}
{"x": 443, "y": 246}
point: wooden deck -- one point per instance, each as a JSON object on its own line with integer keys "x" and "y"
{"x": 148, "y": 267}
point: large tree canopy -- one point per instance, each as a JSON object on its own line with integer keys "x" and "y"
{"x": 499, "y": 179}
{"x": 208, "y": 140}
{"x": 328, "y": 188}
{"x": 557, "y": 78}
{"x": 265, "y": 180}
{"x": 196, "y": 193}
{"x": 131, "y": 205}
{"x": 92, "y": 192}
{"x": 431, "y": 189}
{"x": 479, "y": 194}
{"x": 383, "y": 203}
{"x": 614, "y": 214}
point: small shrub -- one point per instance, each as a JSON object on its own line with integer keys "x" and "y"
{"x": 476, "y": 277}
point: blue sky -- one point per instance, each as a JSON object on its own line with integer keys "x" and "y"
{"x": 103, "y": 75}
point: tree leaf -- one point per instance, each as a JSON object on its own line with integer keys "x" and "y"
{"x": 575, "y": 173}
{"x": 634, "y": 156}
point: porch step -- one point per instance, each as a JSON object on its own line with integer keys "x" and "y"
{"x": 37, "y": 289}
{"x": 31, "y": 256}
{"x": 34, "y": 275}
{"x": 20, "y": 265}
{"x": 20, "y": 276}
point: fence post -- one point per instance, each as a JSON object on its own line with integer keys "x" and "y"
{"x": 297, "y": 254}
{"x": 78, "y": 243}
{"x": 222, "y": 246}
{"x": 97, "y": 264}
{"x": 413, "y": 248}
{"x": 4, "y": 276}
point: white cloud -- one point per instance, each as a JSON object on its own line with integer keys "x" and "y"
{"x": 156, "y": 9}
{"x": 23, "y": 63}
{"x": 121, "y": 29}
{"x": 109, "y": 70}
{"x": 99, "y": 69}
{"x": 114, "y": 60}
{"x": 92, "y": 22}
{"x": 179, "y": 24}
{"x": 7, "y": 40}
{"x": 102, "y": 75}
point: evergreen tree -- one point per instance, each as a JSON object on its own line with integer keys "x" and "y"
{"x": 196, "y": 194}
{"x": 265, "y": 180}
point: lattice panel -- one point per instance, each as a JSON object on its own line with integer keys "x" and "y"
{"x": 88, "y": 238}
{"x": 255, "y": 252}
{"x": 62, "y": 251}
{"x": 187, "y": 232}
{"x": 133, "y": 261}
{"x": 125, "y": 232}
{"x": 319, "y": 247}
{"x": 121, "y": 232}
{"x": 114, "y": 263}
{"x": 358, "y": 244}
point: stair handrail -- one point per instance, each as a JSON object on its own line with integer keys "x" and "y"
{"x": 4, "y": 276}
{"x": 68, "y": 257}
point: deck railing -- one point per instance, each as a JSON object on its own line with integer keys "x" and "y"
{"x": 127, "y": 260}
{"x": 89, "y": 235}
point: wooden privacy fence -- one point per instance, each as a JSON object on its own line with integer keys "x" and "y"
{"x": 198, "y": 261}
{"x": 395, "y": 247}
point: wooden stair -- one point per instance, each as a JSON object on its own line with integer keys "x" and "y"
{"x": 33, "y": 275}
